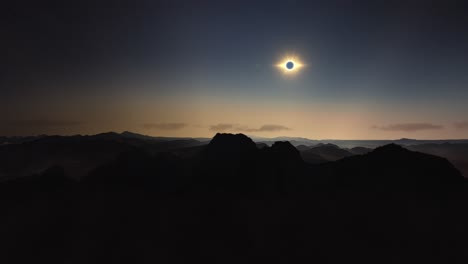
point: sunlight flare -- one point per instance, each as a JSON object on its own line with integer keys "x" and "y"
{"x": 290, "y": 64}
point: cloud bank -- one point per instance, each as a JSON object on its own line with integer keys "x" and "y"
{"x": 409, "y": 127}
{"x": 221, "y": 127}
{"x": 240, "y": 128}
{"x": 461, "y": 125}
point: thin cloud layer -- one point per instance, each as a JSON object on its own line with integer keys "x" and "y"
{"x": 239, "y": 128}
{"x": 461, "y": 125}
{"x": 268, "y": 128}
{"x": 221, "y": 127}
{"x": 409, "y": 127}
{"x": 164, "y": 126}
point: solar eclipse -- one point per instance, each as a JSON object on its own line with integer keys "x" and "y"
{"x": 289, "y": 65}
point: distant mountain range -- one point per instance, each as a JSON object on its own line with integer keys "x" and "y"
{"x": 228, "y": 162}
{"x": 296, "y": 141}
{"x": 113, "y": 197}
{"x": 78, "y": 155}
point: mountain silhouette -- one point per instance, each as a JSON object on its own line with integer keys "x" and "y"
{"x": 232, "y": 145}
{"x": 456, "y": 153}
{"x": 325, "y": 152}
{"x": 283, "y": 151}
{"x": 302, "y": 147}
{"x": 360, "y": 150}
{"x": 78, "y": 155}
{"x": 393, "y": 168}
{"x": 229, "y": 200}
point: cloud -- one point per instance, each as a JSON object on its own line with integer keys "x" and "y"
{"x": 461, "y": 125}
{"x": 410, "y": 127}
{"x": 239, "y": 128}
{"x": 221, "y": 127}
{"x": 164, "y": 126}
{"x": 268, "y": 128}
{"x": 45, "y": 123}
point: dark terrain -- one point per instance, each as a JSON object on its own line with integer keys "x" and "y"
{"x": 114, "y": 198}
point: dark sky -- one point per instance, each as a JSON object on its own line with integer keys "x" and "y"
{"x": 372, "y": 69}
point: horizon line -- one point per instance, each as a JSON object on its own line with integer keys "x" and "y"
{"x": 250, "y": 136}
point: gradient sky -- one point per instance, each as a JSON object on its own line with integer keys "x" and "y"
{"x": 374, "y": 69}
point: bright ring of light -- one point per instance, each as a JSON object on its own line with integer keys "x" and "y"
{"x": 290, "y": 65}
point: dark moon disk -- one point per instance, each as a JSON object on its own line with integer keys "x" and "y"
{"x": 290, "y": 65}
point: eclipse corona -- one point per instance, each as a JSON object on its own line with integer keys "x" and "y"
{"x": 290, "y": 65}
